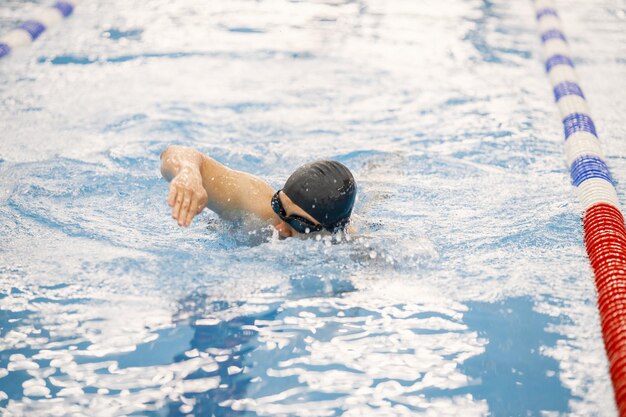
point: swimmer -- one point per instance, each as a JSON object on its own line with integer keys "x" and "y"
{"x": 318, "y": 196}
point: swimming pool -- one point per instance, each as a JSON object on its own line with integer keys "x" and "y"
{"x": 466, "y": 292}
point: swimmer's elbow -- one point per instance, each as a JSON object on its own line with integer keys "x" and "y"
{"x": 169, "y": 151}
{"x": 163, "y": 152}
{"x": 165, "y": 171}
{"x": 170, "y": 161}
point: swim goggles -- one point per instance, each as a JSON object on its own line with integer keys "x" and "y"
{"x": 297, "y": 223}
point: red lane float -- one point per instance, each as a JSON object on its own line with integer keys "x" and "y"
{"x": 605, "y": 240}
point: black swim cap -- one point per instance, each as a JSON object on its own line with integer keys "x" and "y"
{"x": 324, "y": 189}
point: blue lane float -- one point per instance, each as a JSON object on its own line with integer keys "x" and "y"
{"x": 546, "y": 12}
{"x": 66, "y": 8}
{"x": 32, "y": 28}
{"x": 555, "y": 60}
{"x": 578, "y": 122}
{"x": 4, "y": 49}
{"x": 552, "y": 34}
{"x": 587, "y": 167}
{"x": 567, "y": 88}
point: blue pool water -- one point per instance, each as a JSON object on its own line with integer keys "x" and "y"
{"x": 465, "y": 292}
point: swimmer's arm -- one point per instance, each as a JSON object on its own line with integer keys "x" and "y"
{"x": 198, "y": 181}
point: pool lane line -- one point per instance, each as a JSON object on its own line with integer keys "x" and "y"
{"x": 603, "y": 221}
{"x": 31, "y": 29}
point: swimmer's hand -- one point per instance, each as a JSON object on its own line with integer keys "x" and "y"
{"x": 187, "y": 196}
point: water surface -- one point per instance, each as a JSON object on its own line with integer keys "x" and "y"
{"x": 466, "y": 291}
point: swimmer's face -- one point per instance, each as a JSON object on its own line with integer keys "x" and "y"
{"x": 291, "y": 209}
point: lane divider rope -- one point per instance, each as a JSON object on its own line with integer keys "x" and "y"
{"x": 32, "y": 28}
{"x": 603, "y": 221}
